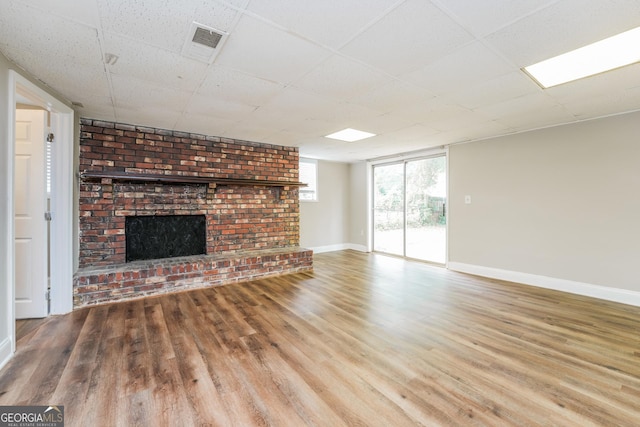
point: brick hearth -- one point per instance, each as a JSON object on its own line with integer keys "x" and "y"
{"x": 141, "y": 278}
{"x": 252, "y": 230}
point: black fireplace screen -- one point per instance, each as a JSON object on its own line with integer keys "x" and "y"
{"x": 152, "y": 237}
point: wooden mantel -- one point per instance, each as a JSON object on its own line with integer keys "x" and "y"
{"x": 212, "y": 182}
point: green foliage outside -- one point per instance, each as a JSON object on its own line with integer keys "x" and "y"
{"x": 422, "y": 206}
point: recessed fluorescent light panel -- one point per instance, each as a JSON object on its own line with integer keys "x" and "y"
{"x": 350, "y": 135}
{"x": 598, "y": 57}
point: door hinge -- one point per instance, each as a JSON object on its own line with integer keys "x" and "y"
{"x": 47, "y": 295}
{"x": 47, "y": 216}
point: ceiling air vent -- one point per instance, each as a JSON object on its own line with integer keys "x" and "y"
{"x": 206, "y": 37}
{"x": 203, "y": 43}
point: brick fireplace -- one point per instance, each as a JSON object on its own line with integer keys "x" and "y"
{"x": 247, "y": 192}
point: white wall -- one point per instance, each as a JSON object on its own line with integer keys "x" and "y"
{"x": 559, "y": 203}
{"x": 6, "y": 245}
{"x": 324, "y": 224}
{"x": 359, "y": 206}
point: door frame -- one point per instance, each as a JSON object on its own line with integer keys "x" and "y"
{"x": 417, "y": 155}
{"x": 62, "y": 189}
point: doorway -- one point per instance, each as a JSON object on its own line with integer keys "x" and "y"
{"x": 60, "y": 117}
{"x": 410, "y": 208}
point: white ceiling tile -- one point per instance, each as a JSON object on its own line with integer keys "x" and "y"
{"x": 341, "y": 78}
{"x": 230, "y": 84}
{"x": 298, "y": 104}
{"x": 131, "y": 93}
{"x": 203, "y": 124}
{"x": 72, "y": 80}
{"x": 321, "y": 148}
{"x": 152, "y": 116}
{"x": 409, "y": 37}
{"x": 486, "y": 16}
{"x": 270, "y": 118}
{"x": 161, "y": 23}
{"x": 315, "y": 118}
{"x": 534, "y": 119}
{"x": 466, "y": 66}
{"x": 50, "y": 38}
{"x": 445, "y": 115}
{"x": 346, "y": 115}
{"x": 416, "y": 132}
{"x": 247, "y": 131}
{"x": 328, "y": 22}
{"x": 537, "y": 108}
{"x": 367, "y": 146}
{"x": 564, "y": 26}
{"x": 456, "y": 119}
{"x": 88, "y": 99}
{"x": 268, "y": 53}
{"x": 382, "y": 124}
{"x": 427, "y": 143}
{"x": 309, "y": 127}
{"x": 216, "y": 15}
{"x": 477, "y": 131}
{"x": 291, "y": 139}
{"x": 392, "y": 95}
{"x": 83, "y": 12}
{"x": 239, "y": 4}
{"x": 492, "y": 91}
{"x": 435, "y": 108}
{"x": 522, "y": 104}
{"x": 170, "y": 69}
{"x": 605, "y": 104}
{"x": 218, "y": 107}
{"x": 100, "y": 110}
{"x": 79, "y": 81}
{"x": 384, "y": 146}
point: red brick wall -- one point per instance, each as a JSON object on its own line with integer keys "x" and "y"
{"x": 238, "y": 218}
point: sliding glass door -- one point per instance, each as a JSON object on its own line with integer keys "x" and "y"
{"x": 409, "y": 209}
{"x": 388, "y": 209}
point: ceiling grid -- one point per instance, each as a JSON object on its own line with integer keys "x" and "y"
{"x": 416, "y": 73}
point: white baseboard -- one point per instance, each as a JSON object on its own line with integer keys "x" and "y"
{"x": 5, "y": 351}
{"x": 339, "y": 247}
{"x": 623, "y": 296}
{"x": 359, "y": 248}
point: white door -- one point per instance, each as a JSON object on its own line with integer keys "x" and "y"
{"x": 30, "y": 206}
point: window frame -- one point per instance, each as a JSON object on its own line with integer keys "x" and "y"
{"x": 305, "y": 190}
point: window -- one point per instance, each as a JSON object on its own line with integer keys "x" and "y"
{"x": 309, "y": 175}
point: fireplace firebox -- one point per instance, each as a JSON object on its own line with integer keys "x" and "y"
{"x": 154, "y": 237}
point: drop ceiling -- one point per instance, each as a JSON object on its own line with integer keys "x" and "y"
{"x": 417, "y": 73}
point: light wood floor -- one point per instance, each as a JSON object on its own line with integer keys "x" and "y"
{"x": 364, "y": 340}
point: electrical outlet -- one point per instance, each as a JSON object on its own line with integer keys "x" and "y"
{"x": 467, "y": 200}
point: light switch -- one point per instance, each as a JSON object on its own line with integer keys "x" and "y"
{"x": 467, "y": 200}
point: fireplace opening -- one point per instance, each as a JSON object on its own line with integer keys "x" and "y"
{"x": 154, "y": 237}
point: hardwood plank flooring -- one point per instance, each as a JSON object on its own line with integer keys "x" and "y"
{"x": 363, "y": 340}
{"x": 25, "y": 328}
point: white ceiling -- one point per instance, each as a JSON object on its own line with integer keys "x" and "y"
{"x": 418, "y": 73}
